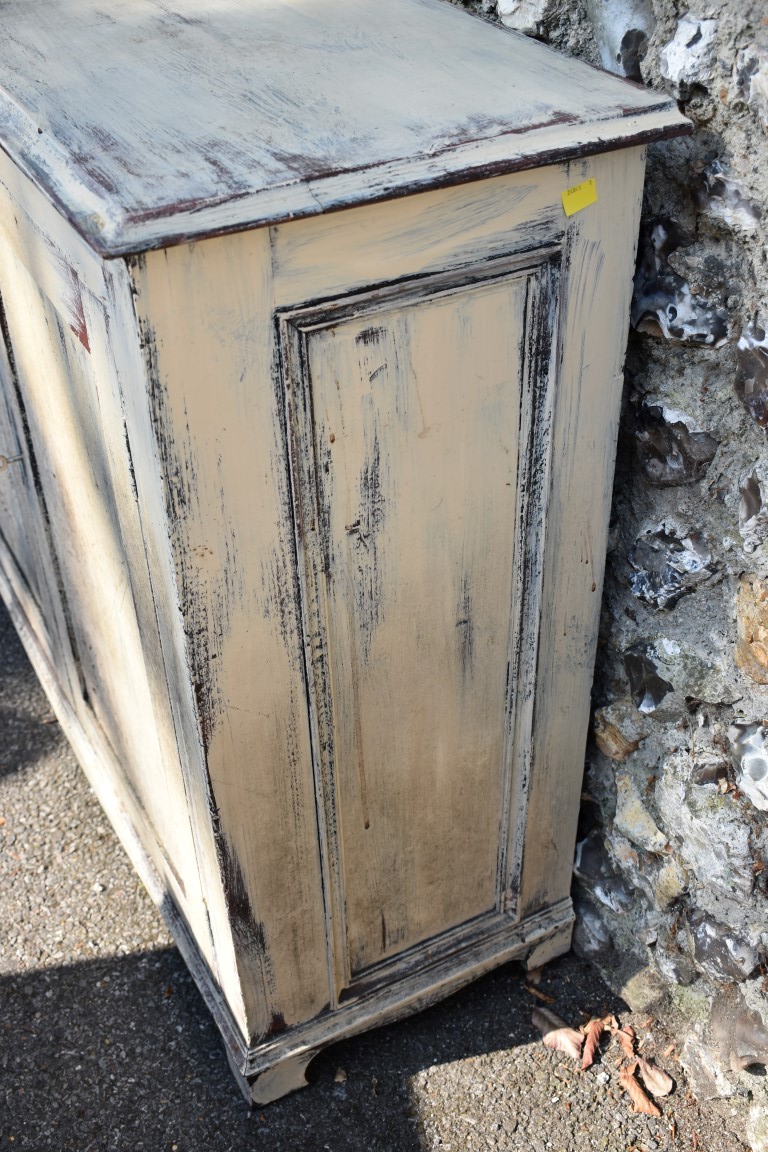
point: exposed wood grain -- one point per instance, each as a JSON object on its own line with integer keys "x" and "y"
{"x": 148, "y": 123}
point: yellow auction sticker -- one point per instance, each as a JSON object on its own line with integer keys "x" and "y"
{"x": 580, "y": 196}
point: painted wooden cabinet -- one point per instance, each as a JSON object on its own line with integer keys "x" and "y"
{"x": 309, "y": 384}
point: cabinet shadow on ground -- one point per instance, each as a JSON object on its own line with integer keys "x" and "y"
{"x": 122, "y": 1053}
{"x": 23, "y": 746}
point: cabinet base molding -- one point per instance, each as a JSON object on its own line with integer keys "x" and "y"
{"x": 272, "y": 1069}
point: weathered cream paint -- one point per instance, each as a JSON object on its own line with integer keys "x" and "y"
{"x": 224, "y": 448}
{"x": 324, "y": 502}
{"x": 228, "y": 508}
{"x": 464, "y": 753}
{"x": 26, "y": 558}
{"x": 416, "y": 235}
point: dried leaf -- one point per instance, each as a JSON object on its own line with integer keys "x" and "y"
{"x": 669, "y": 1050}
{"x": 626, "y": 1038}
{"x": 535, "y": 975}
{"x": 539, "y": 994}
{"x": 556, "y": 1033}
{"x": 593, "y": 1030}
{"x": 640, "y": 1102}
{"x": 566, "y": 1040}
{"x": 545, "y": 1020}
{"x": 656, "y": 1081}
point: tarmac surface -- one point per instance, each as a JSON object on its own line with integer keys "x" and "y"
{"x": 106, "y": 1045}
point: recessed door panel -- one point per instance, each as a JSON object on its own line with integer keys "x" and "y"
{"x": 411, "y": 420}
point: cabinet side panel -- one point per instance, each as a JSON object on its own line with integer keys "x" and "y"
{"x": 206, "y": 318}
{"x": 597, "y": 286}
{"x": 78, "y": 445}
{"x": 81, "y": 317}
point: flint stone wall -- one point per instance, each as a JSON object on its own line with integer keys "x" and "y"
{"x": 672, "y": 864}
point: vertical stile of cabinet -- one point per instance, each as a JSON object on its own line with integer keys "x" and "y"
{"x": 309, "y": 382}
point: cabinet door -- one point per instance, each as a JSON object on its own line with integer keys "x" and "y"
{"x": 418, "y": 419}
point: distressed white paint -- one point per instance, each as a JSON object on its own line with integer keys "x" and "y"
{"x": 147, "y": 122}
{"x": 327, "y": 500}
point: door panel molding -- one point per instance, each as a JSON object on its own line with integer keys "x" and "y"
{"x": 341, "y": 626}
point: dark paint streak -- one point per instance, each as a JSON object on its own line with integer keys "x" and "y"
{"x": 310, "y": 658}
{"x": 277, "y": 1025}
{"x": 131, "y": 467}
{"x": 369, "y": 591}
{"x": 369, "y": 336}
{"x": 175, "y": 15}
{"x": 478, "y": 130}
{"x": 205, "y": 604}
{"x": 101, "y": 183}
{"x": 285, "y": 597}
{"x": 542, "y": 337}
{"x": 345, "y": 304}
{"x": 313, "y": 476}
{"x": 249, "y": 933}
{"x": 464, "y": 623}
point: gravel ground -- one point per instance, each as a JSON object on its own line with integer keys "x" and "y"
{"x": 106, "y": 1045}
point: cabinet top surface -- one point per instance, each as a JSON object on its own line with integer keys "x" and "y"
{"x": 150, "y": 122}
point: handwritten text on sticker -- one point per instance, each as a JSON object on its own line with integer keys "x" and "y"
{"x": 580, "y": 196}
